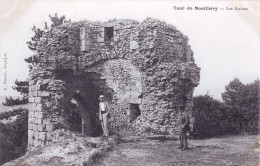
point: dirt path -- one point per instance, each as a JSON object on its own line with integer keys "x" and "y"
{"x": 240, "y": 150}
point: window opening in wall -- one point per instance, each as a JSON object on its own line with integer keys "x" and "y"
{"x": 109, "y": 33}
{"x": 134, "y": 111}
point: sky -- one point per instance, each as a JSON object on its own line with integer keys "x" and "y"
{"x": 225, "y": 45}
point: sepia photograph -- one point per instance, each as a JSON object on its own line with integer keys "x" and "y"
{"x": 129, "y": 83}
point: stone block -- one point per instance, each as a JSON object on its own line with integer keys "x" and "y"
{"x": 36, "y": 135}
{"x": 116, "y": 38}
{"x": 30, "y": 126}
{"x": 48, "y": 142}
{"x": 59, "y": 96}
{"x": 30, "y": 88}
{"x": 38, "y": 107}
{"x": 34, "y": 93}
{"x": 188, "y": 53}
{"x": 55, "y": 139}
{"x": 49, "y": 127}
{"x": 39, "y": 115}
{"x": 100, "y": 39}
{"x": 41, "y": 127}
{"x": 44, "y": 93}
{"x": 38, "y": 87}
{"x": 83, "y": 45}
{"x": 47, "y": 105}
{"x": 45, "y": 81}
{"x": 32, "y": 147}
{"x": 30, "y": 94}
{"x": 31, "y": 120}
{"x": 38, "y": 99}
{"x": 82, "y": 33}
{"x": 35, "y": 127}
{"x": 31, "y": 100}
{"x": 38, "y": 121}
{"x": 46, "y": 121}
{"x": 32, "y": 106}
{"x": 37, "y": 143}
{"x": 31, "y": 82}
{"x": 31, "y": 114}
{"x": 33, "y": 88}
{"x": 42, "y": 136}
{"x": 133, "y": 45}
{"x": 30, "y": 141}
{"x": 39, "y": 82}
{"x": 48, "y": 136}
{"x": 30, "y": 133}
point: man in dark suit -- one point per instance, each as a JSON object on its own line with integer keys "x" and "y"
{"x": 184, "y": 128}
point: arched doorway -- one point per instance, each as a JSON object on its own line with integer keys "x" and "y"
{"x": 84, "y": 88}
{"x": 117, "y": 79}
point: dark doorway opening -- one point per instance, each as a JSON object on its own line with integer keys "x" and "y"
{"x": 109, "y": 33}
{"x": 75, "y": 119}
{"x": 134, "y": 111}
{"x": 90, "y": 86}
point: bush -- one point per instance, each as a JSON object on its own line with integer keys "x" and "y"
{"x": 208, "y": 114}
{"x": 13, "y": 136}
{"x": 238, "y": 113}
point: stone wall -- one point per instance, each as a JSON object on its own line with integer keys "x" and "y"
{"x": 125, "y": 82}
{"x": 45, "y": 110}
{"x": 145, "y": 70}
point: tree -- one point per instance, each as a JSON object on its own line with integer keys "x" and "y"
{"x": 56, "y": 21}
{"x": 234, "y": 93}
{"x": 23, "y": 88}
{"x": 242, "y": 103}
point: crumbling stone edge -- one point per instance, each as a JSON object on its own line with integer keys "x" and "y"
{"x": 96, "y": 155}
{"x": 45, "y": 156}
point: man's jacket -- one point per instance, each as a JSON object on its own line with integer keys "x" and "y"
{"x": 102, "y": 111}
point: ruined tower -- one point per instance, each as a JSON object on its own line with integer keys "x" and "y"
{"x": 146, "y": 71}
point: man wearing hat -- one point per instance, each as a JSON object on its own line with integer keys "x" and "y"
{"x": 103, "y": 115}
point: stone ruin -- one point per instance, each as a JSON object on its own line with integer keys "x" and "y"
{"x": 146, "y": 72}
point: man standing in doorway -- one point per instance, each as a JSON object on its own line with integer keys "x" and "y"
{"x": 184, "y": 128}
{"x": 103, "y": 115}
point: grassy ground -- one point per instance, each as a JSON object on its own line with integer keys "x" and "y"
{"x": 233, "y": 150}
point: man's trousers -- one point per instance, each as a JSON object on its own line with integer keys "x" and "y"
{"x": 183, "y": 138}
{"x": 104, "y": 124}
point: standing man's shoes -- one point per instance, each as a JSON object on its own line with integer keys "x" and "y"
{"x": 184, "y": 149}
